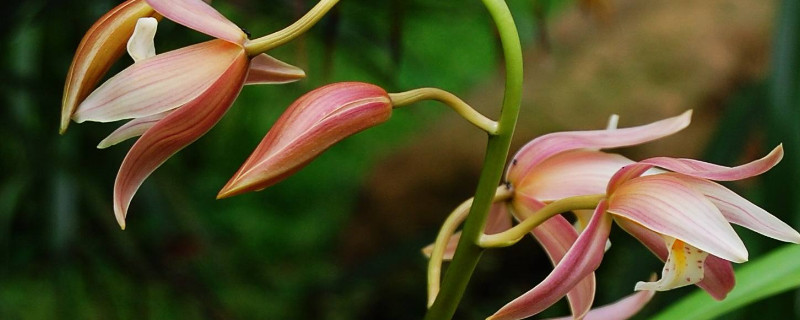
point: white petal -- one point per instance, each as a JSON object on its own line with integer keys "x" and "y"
{"x": 140, "y": 45}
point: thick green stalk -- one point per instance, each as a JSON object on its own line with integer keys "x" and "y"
{"x": 468, "y": 252}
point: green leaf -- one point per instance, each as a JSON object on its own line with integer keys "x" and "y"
{"x": 756, "y": 280}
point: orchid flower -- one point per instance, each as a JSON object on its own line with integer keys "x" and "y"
{"x": 176, "y": 97}
{"x": 312, "y": 124}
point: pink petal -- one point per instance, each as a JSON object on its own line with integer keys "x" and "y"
{"x": 546, "y": 146}
{"x": 742, "y": 212}
{"x": 131, "y": 129}
{"x": 627, "y": 173}
{"x": 160, "y": 83}
{"x": 571, "y": 173}
{"x": 670, "y": 207}
{"x": 620, "y": 310}
{"x": 718, "y": 277}
{"x": 177, "y": 130}
{"x": 102, "y": 45}
{"x": 199, "y": 16}
{"x": 309, "y": 126}
{"x": 265, "y": 69}
{"x": 580, "y": 261}
{"x": 711, "y": 171}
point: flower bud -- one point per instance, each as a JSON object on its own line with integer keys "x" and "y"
{"x": 309, "y": 126}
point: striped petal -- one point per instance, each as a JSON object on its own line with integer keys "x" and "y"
{"x": 556, "y": 236}
{"x": 571, "y": 173}
{"x": 546, "y": 146}
{"x": 176, "y": 131}
{"x": 200, "y": 16}
{"x": 102, "y": 45}
{"x": 718, "y": 278}
{"x": 670, "y": 207}
{"x": 684, "y": 266}
{"x": 742, "y": 212}
{"x": 309, "y": 126}
{"x": 581, "y": 260}
{"x": 623, "y": 309}
{"x": 265, "y": 69}
{"x": 131, "y": 129}
{"x": 712, "y": 171}
{"x": 161, "y": 83}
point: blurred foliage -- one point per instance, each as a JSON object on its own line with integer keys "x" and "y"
{"x": 271, "y": 254}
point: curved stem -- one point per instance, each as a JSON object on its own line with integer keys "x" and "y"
{"x": 451, "y": 100}
{"x": 443, "y": 238}
{"x": 265, "y": 43}
{"x": 468, "y": 252}
{"x": 513, "y": 235}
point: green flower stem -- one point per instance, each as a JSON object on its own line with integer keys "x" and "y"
{"x": 513, "y": 235}
{"x": 468, "y": 252}
{"x": 257, "y": 46}
{"x": 445, "y": 233}
{"x": 451, "y": 100}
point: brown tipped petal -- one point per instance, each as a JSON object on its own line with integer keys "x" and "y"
{"x": 102, "y": 45}
{"x": 180, "y": 128}
{"x": 310, "y": 125}
{"x": 265, "y": 69}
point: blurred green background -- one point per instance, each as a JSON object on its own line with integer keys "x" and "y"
{"x": 341, "y": 238}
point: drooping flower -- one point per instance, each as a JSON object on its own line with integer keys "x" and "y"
{"x": 176, "y": 97}
{"x": 312, "y": 124}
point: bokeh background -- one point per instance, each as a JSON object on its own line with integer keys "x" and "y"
{"x": 341, "y": 238}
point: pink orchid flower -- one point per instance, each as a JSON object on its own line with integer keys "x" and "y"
{"x": 175, "y": 97}
{"x": 312, "y": 124}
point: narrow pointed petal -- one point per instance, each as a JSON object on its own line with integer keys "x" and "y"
{"x": 131, "y": 129}
{"x": 739, "y": 210}
{"x": 548, "y": 145}
{"x": 571, "y": 173}
{"x": 581, "y": 260}
{"x": 499, "y": 220}
{"x": 670, "y": 207}
{"x": 141, "y": 44}
{"x": 309, "y": 126}
{"x": 623, "y": 309}
{"x": 160, "y": 83}
{"x": 718, "y": 278}
{"x": 684, "y": 266}
{"x": 199, "y": 16}
{"x": 102, "y": 45}
{"x": 712, "y": 171}
{"x": 627, "y": 173}
{"x": 174, "y": 132}
{"x": 265, "y": 69}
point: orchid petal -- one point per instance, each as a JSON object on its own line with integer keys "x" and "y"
{"x": 102, "y": 45}
{"x": 309, "y": 126}
{"x": 498, "y": 221}
{"x": 131, "y": 129}
{"x": 718, "y": 279}
{"x": 711, "y": 171}
{"x": 141, "y": 44}
{"x": 742, "y": 212}
{"x": 265, "y": 69}
{"x": 627, "y": 173}
{"x": 161, "y": 83}
{"x": 668, "y": 206}
{"x": 571, "y": 173}
{"x": 623, "y": 309}
{"x": 548, "y": 145}
{"x": 200, "y": 16}
{"x": 176, "y": 131}
{"x": 580, "y": 261}
{"x": 684, "y": 267}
